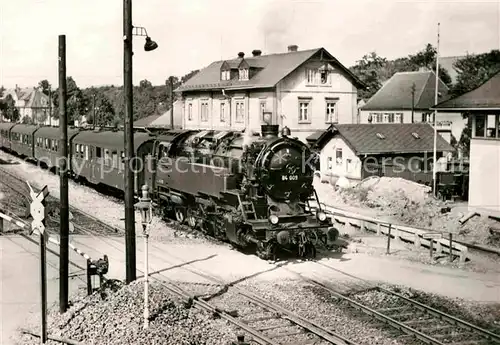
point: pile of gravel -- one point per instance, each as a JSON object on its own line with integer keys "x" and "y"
{"x": 118, "y": 319}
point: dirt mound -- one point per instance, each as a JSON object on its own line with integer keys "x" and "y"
{"x": 409, "y": 203}
{"x": 118, "y": 319}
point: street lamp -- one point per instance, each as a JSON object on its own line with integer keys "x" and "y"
{"x": 145, "y": 207}
{"x": 128, "y": 32}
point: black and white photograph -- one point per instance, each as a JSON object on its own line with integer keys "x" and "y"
{"x": 264, "y": 172}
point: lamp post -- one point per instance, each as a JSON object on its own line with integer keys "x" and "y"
{"x": 128, "y": 31}
{"x": 145, "y": 207}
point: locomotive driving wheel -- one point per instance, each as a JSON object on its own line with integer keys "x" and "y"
{"x": 191, "y": 217}
{"x": 180, "y": 214}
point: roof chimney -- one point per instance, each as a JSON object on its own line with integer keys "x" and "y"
{"x": 241, "y": 55}
{"x": 293, "y": 48}
{"x": 256, "y": 52}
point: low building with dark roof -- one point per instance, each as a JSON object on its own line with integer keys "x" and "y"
{"x": 357, "y": 151}
{"x": 305, "y": 90}
{"x": 407, "y": 97}
{"x": 483, "y": 105}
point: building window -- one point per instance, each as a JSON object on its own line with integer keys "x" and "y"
{"x": 330, "y": 163}
{"x": 240, "y": 110}
{"x": 486, "y": 126}
{"x": 226, "y": 75}
{"x": 190, "y": 111}
{"x": 331, "y": 115}
{"x": 338, "y": 156}
{"x": 427, "y": 117}
{"x": 222, "y": 112}
{"x": 388, "y": 118}
{"x": 318, "y": 76}
{"x": 398, "y": 117}
{"x": 262, "y": 109}
{"x": 204, "y": 111}
{"x": 348, "y": 167}
{"x": 243, "y": 73}
{"x": 304, "y": 110}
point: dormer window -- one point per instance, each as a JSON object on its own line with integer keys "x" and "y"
{"x": 243, "y": 73}
{"x": 226, "y": 75}
{"x": 319, "y": 76}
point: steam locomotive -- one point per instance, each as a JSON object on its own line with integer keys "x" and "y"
{"x": 252, "y": 190}
{"x": 248, "y": 189}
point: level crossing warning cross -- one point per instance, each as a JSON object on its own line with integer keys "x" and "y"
{"x": 37, "y": 208}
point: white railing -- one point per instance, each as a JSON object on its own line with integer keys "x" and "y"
{"x": 420, "y": 237}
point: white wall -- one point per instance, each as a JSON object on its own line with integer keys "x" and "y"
{"x": 283, "y": 102}
{"x": 484, "y": 176}
{"x": 351, "y": 170}
{"x": 295, "y": 86}
{"x": 456, "y": 128}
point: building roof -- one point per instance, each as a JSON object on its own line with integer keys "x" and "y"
{"x": 396, "y": 93}
{"x": 387, "y": 138}
{"x": 145, "y": 121}
{"x": 272, "y": 69}
{"x": 486, "y": 96}
{"x": 32, "y": 96}
{"x": 163, "y": 121}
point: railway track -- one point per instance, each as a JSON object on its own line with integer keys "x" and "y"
{"x": 298, "y": 330}
{"x": 83, "y": 222}
{"x": 411, "y": 320}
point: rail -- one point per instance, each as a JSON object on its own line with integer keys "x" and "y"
{"x": 403, "y": 325}
{"x": 417, "y": 236}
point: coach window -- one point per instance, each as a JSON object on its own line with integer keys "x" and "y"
{"x": 98, "y": 154}
{"x": 56, "y": 145}
{"x": 106, "y": 157}
{"x": 82, "y": 150}
{"x": 122, "y": 160}
{"x": 87, "y": 156}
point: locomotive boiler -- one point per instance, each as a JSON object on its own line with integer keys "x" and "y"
{"x": 252, "y": 190}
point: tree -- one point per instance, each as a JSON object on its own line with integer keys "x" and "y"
{"x": 76, "y": 101}
{"x": 9, "y": 110}
{"x": 368, "y": 71}
{"x": 45, "y": 86}
{"x": 474, "y": 70}
{"x": 373, "y": 70}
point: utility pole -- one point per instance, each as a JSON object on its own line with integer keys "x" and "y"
{"x": 130, "y": 254}
{"x": 50, "y": 106}
{"x": 413, "y": 103}
{"x": 436, "y": 94}
{"x": 93, "y": 110}
{"x": 63, "y": 174}
{"x": 171, "y": 79}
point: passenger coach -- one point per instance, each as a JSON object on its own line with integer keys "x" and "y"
{"x": 22, "y": 139}
{"x": 47, "y": 144}
{"x": 98, "y": 156}
{"x": 5, "y": 128}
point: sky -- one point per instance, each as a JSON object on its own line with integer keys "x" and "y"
{"x": 193, "y": 33}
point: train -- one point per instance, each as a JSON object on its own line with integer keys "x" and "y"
{"x": 253, "y": 190}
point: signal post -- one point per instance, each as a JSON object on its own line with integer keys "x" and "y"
{"x": 38, "y": 211}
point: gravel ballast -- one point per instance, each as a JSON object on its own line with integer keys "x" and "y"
{"x": 119, "y": 320}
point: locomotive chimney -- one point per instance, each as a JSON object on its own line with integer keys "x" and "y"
{"x": 269, "y": 130}
{"x": 256, "y": 52}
